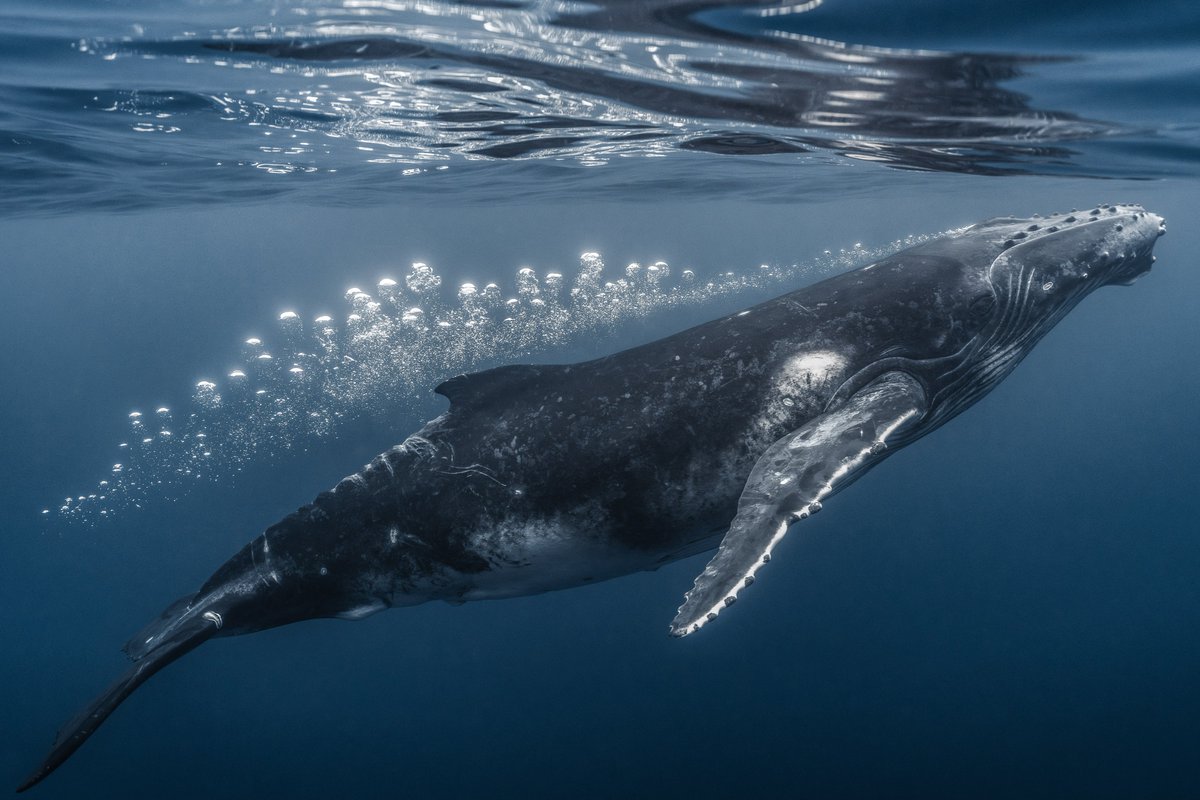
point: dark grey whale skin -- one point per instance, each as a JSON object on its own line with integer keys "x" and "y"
{"x": 545, "y": 477}
{"x": 641, "y": 454}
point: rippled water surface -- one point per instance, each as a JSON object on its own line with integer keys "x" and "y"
{"x": 240, "y": 242}
{"x": 142, "y": 104}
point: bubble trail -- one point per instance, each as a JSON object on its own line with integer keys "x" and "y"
{"x": 386, "y": 354}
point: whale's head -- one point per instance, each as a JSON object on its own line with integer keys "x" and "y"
{"x": 1047, "y": 262}
{"x": 1021, "y": 276}
{"x": 1045, "y": 266}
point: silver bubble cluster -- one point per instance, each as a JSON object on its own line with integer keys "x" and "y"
{"x": 391, "y": 346}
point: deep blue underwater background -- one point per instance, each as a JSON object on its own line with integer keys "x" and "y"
{"x": 1008, "y": 608}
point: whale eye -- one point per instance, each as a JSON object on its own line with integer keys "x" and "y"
{"x": 982, "y": 305}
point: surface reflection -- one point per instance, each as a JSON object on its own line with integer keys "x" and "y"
{"x": 206, "y": 101}
{"x": 522, "y": 81}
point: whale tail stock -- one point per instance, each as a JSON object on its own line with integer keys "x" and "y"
{"x": 181, "y": 629}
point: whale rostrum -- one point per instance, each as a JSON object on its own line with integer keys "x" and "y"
{"x": 544, "y": 477}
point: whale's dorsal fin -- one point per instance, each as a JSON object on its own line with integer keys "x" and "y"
{"x": 465, "y": 389}
{"x": 791, "y": 479}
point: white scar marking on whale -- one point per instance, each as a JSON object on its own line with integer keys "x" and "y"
{"x": 801, "y": 388}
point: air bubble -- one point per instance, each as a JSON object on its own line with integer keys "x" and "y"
{"x": 389, "y": 290}
{"x": 527, "y": 283}
{"x": 422, "y": 280}
{"x": 361, "y": 303}
{"x": 291, "y": 329}
{"x": 591, "y": 267}
{"x": 206, "y": 396}
{"x": 251, "y": 349}
{"x": 656, "y": 273}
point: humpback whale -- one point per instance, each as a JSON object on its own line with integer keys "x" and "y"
{"x": 544, "y": 477}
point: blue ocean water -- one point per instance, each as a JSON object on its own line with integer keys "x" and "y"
{"x": 1005, "y": 609}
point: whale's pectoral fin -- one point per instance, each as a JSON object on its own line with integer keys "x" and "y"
{"x": 793, "y": 477}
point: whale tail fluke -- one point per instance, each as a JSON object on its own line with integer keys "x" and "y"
{"x": 177, "y": 632}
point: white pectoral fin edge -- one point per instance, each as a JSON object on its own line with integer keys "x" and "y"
{"x": 791, "y": 479}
